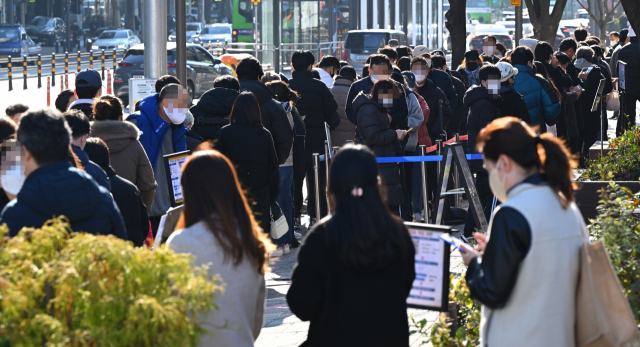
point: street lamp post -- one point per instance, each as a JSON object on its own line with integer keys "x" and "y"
{"x": 155, "y": 39}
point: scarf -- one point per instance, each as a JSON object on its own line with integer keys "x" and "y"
{"x": 582, "y": 63}
{"x": 473, "y": 76}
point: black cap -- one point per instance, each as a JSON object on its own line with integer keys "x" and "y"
{"x": 440, "y": 53}
{"x": 410, "y": 78}
{"x": 89, "y": 78}
{"x": 348, "y": 72}
{"x": 623, "y": 35}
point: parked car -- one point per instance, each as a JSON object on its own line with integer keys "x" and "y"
{"x": 46, "y": 30}
{"x": 480, "y": 31}
{"x": 570, "y": 25}
{"x": 360, "y": 44}
{"x": 510, "y": 25}
{"x": 93, "y": 37}
{"x": 15, "y": 42}
{"x": 119, "y": 39}
{"x": 202, "y": 69}
{"x": 193, "y": 33}
{"x": 216, "y": 33}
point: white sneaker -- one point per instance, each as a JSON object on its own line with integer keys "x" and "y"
{"x": 286, "y": 249}
{"x": 417, "y": 217}
{"x": 277, "y": 253}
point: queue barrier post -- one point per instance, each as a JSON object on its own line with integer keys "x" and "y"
{"x": 9, "y": 74}
{"x": 24, "y": 71}
{"x": 425, "y": 188}
{"x": 39, "y": 71}
{"x": 439, "y": 152}
{"x": 316, "y": 170}
{"x": 53, "y": 69}
{"x": 102, "y": 58}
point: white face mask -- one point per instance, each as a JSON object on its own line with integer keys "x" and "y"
{"x": 177, "y": 115}
{"x": 497, "y": 184}
{"x": 376, "y": 78}
{"x": 488, "y": 50}
{"x": 13, "y": 179}
{"x": 420, "y": 78}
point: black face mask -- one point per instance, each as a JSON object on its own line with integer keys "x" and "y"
{"x": 472, "y": 65}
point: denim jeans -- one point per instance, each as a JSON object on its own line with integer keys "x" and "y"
{"x": 285, "y": 200}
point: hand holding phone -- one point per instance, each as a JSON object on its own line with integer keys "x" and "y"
{"x": 456, "y": 242}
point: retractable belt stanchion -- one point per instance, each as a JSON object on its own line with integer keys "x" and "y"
{"x": 439, "y": 152}
{"x": 425, "y": 188}
{"x": 316, "y": 169}
{"x": 456, "y": 176}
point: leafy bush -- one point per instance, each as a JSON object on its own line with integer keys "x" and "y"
{"x": 468, "y": 317}
{"x": 620, "y": 164}
{"x": 60, "y": 288}
{"x": 619, "y": 228}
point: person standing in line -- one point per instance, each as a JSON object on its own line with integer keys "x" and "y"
{"x": 317, "y": 106}
{"x": 361, "y": 254}
{"x": 629, "y": 54}
{"x": 608, "y": 88}
{"x": 250, "y": 148}
{"x": 511, "y": 102}
{"x": 327, "y": 68}
{"x": 127, "y": 156}
{"x": 214, "y": 107}
{"x": 15, "y": 111}
{"x": 374, "y": 126}
{"x": 88, "y": 88}
{"x": 217, "y": 227}
{"x": 537, "y": 230}
{"x": 489, "y": 50}
{"x": 162, "y": 132}
{"x": 346, "y": 130}
{"x": 470, "y": 68}
{"x": 125, "y": 194}
{"x": 458, "y": 111}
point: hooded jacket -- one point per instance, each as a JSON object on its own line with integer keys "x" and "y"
{"x": 629, "y": 54}
{"x": 92, "y": 168}
{"x": 345, "y": 130}
{"x": 153, "y": 129}
{"x": 542, "y": 102}
{"x": 133, "y": 210}
{"x": 433, "y": 95}
{"x": 512, "y": 104}
{"x": 128, "y": 158}
{"x": 274, "y": 118}
{"x": 58, "y": 189}
{"x": 483, "y": 109}
{"x": 398, "y": 111}
{"x": 316, "y": 105}
{"x": 212, "y": 111}
{"x": 375, "y": 130}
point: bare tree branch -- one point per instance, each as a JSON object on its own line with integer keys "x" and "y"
{"x": 614, "y": 9}
{"x": 588, "y": 11}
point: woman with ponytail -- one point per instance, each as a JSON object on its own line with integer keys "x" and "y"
{"x": 356, "y": 267}
{"x": 525, "y": 270}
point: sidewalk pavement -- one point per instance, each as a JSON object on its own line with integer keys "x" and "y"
{"x": 283, "y": 329}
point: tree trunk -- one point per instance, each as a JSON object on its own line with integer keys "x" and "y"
{"x": 545, "y": 25}
{"x": 632, "y": 9}
{"x": 115, "y": 13}
{"x": 457, "y": 26}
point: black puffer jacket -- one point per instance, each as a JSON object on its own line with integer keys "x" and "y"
{"x": 274, "y": 118}
{"x": 212, "y": 111}
{"x": 316, "y": 106}
{"x": 432, "y": 94}
{"x": 512, "y": 104}
{"x": 134, "y": 212}
{"x": 483, "y": 109}
{"x": 374, "y": 128}
{"x": 591, "y": 120}
{"x": 629, "y": 54}
{"x": 457, "y": 111}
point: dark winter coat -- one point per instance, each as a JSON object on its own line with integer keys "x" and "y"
{"x": 444, "y": 82}
{"x": 345, "y": 130}
{"x": 274, "y": 118}
{"x": 630, "y": 55}
{"x": 399, "y": 111}
{"x": 337, "y": 299}
{"x": 84, "y": 105}
{"x": 591, "y": 120}
{"x": 58, "y": 189}
{"x": 483, "y": 109}
{"x": 489, "y": 59}
{"x": 212, "y": 111}
{"x": 432, "y": 95}
{"x": 92, "y": 168}
{"x": 458, "y": 112}
{"x": 193, "y": 140}
{"x": 252, "y": 152}
{"x": 316, "y": 105}
{"x": 512, "y": 104}
{"x": 128, "y": 157}
{"x": 375, "y": 130}
{"x": 134, "y": 212}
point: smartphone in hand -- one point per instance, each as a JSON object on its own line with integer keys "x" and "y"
{"x": 456, "y": 242}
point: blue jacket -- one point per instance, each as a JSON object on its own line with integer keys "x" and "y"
{"x": 92, "y": 168}
{"x": 58, "y": 189}
{"x": 153, "y": 129}
{"x": 540, "y": 97}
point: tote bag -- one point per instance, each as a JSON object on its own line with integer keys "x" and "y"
{"x": 603, "y": 313}
{"x": 613, "y": 101}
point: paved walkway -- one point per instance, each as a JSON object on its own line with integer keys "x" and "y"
{"x": 283, "y": 329}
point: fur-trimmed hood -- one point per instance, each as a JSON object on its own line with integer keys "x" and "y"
{"x": 117, "y": 134}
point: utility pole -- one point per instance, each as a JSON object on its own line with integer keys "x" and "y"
{"x": 518, "y": 7}
{"x": 155, "y": 39}
{"x": 181, "y": 42}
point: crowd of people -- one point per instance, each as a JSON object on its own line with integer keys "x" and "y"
{"x": 252, "y": 138}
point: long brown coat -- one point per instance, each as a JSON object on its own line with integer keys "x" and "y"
{"x": 128, "y": 157}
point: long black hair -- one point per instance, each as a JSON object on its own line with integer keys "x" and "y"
{"x": 361, "y": 227}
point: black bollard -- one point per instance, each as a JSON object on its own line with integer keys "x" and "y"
{"x": 114, "y": 60}
{"x": 90, "y": 59}
{"x": 66, "y": 62}
{"x": 39, "y": 71}
{"x": 103, "y": 64}
{"x": 79, "y": 63}
{"x": 9, "y": 74}
{"x": 53, "y": 69}
{"x": 24, "y": 71}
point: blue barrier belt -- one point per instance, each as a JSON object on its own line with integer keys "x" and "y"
{"x": 418, "y": 159}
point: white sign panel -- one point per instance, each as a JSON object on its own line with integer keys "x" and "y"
{"x": 140, "y": 88}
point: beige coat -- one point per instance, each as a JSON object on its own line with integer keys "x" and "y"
{"x": 128, "y": 157}
{"x": 346, "y": 130}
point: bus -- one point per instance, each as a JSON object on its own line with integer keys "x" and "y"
{"x": 243, "y": 21}
{"x": 479, "y": 10}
